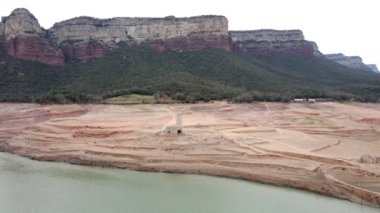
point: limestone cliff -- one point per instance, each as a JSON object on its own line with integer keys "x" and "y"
{"x": 86, "y": 37}
{"x": 354, "y": 62}
{"x": 373, "y": 67}
{"x": 267, "y": 35}
{"x": 179, "y": 34}
{"x": 25, "y": 39}
{"x": 21, "y": 23}
{"x": 273, "y": 42}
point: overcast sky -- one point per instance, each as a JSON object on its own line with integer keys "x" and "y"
{"x": 351, "y": 27}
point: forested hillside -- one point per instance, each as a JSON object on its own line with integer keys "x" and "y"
{"x": 203, "y": 75}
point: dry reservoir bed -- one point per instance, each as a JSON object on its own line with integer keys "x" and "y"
{"x": 328, "y": 148}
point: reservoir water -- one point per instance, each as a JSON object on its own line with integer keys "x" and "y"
{"x": 32, "y": 186}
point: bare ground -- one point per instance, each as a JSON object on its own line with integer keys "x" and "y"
{"x": 315, "y": 147}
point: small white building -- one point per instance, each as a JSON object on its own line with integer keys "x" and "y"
{"x": 174, "y": 129}
{"x": 299, "y": 100}
{"x": 304, "y": 100}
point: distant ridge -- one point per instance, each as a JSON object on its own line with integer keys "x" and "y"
{"x": 87, "y": 37}
{"x": 84, "y": 60}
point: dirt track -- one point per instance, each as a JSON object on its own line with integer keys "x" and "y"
{"x": 316, "y": 147}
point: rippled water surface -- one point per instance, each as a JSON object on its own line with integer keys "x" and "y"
{"x": 32, "y": 186}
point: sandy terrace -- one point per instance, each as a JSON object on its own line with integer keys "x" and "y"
{"x": 315, "y": 147}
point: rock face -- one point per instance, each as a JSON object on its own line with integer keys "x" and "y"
{"x": 21, "y": 23}
{"x": 86, "y": 37}
{"x": 25, "y": 39}
{"x": 354, "y": 62}
{"x": 373, "y": 67}
{"x": 34, "y": 48}
{"x": 179, "y": 34}
{"x": 192, "y": 43}
{"x": 273, "y": 42}
{"x": 84, "y": 50}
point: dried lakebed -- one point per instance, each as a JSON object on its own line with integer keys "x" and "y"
{"x": 328, "y": 148}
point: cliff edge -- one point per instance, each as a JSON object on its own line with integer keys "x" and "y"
{"x": 86, "y": 37}
{"x": 178, "y": 34}
{"x": 353, "y": 62}
{"x": 273, "y": 42}
{"x": 26, "y": 39}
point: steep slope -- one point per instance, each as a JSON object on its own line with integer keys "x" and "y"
{"x": 325, "y": 78}
{"x": 200, "y": 75}
{"x": 179, "y": 34}
{"x": 85, "y": 38}
{"x": 272, "y": 42}
{"x": 353, "y": 62}
{"x": 373, "y": 67}
{"x": 26, "y": 39}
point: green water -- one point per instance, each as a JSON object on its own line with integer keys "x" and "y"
{"x": 31, "y": 186}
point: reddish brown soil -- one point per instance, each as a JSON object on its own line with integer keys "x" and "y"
{"x": 315, "y": 147}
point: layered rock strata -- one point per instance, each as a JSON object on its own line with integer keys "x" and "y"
{"x": 353, "y": 62}
{"x": 272, "y": 42}
{"x": 86, "y": 37}
{"x": 179, "y": 34}
{"x": 373, "y": 67}
{"x": 26, "y": 39}
{"x": 34, "y": 48}
{"x": 83, "y": 50}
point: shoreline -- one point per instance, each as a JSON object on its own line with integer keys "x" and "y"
{"x": 219, "y": 139}
{"x": 328, "y": 186}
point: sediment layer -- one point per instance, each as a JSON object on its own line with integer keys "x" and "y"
{"x": 315, "y": 147}
{"x": 86, "y": 37}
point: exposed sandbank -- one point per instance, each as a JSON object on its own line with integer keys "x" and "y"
{"x": 316, "y": 147}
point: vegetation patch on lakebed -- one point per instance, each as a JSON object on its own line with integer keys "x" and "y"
{"x": 131, "y": 99}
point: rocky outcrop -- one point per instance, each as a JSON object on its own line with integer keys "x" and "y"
{"x": 267, "y": 35}
{"x": 353, "y": 62}
{"x": 85, "y": 37}
{"x": 373, "y": 67}
{"x": 180, "y": 34}
{"x": 21, "y": 23}
{"x": 34, "y": 48}
{"x": 83, "y": 50}
{"x": 192, "y": 43}
{"x": 25, "y": 39}
{"x": 272, "y": 42}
